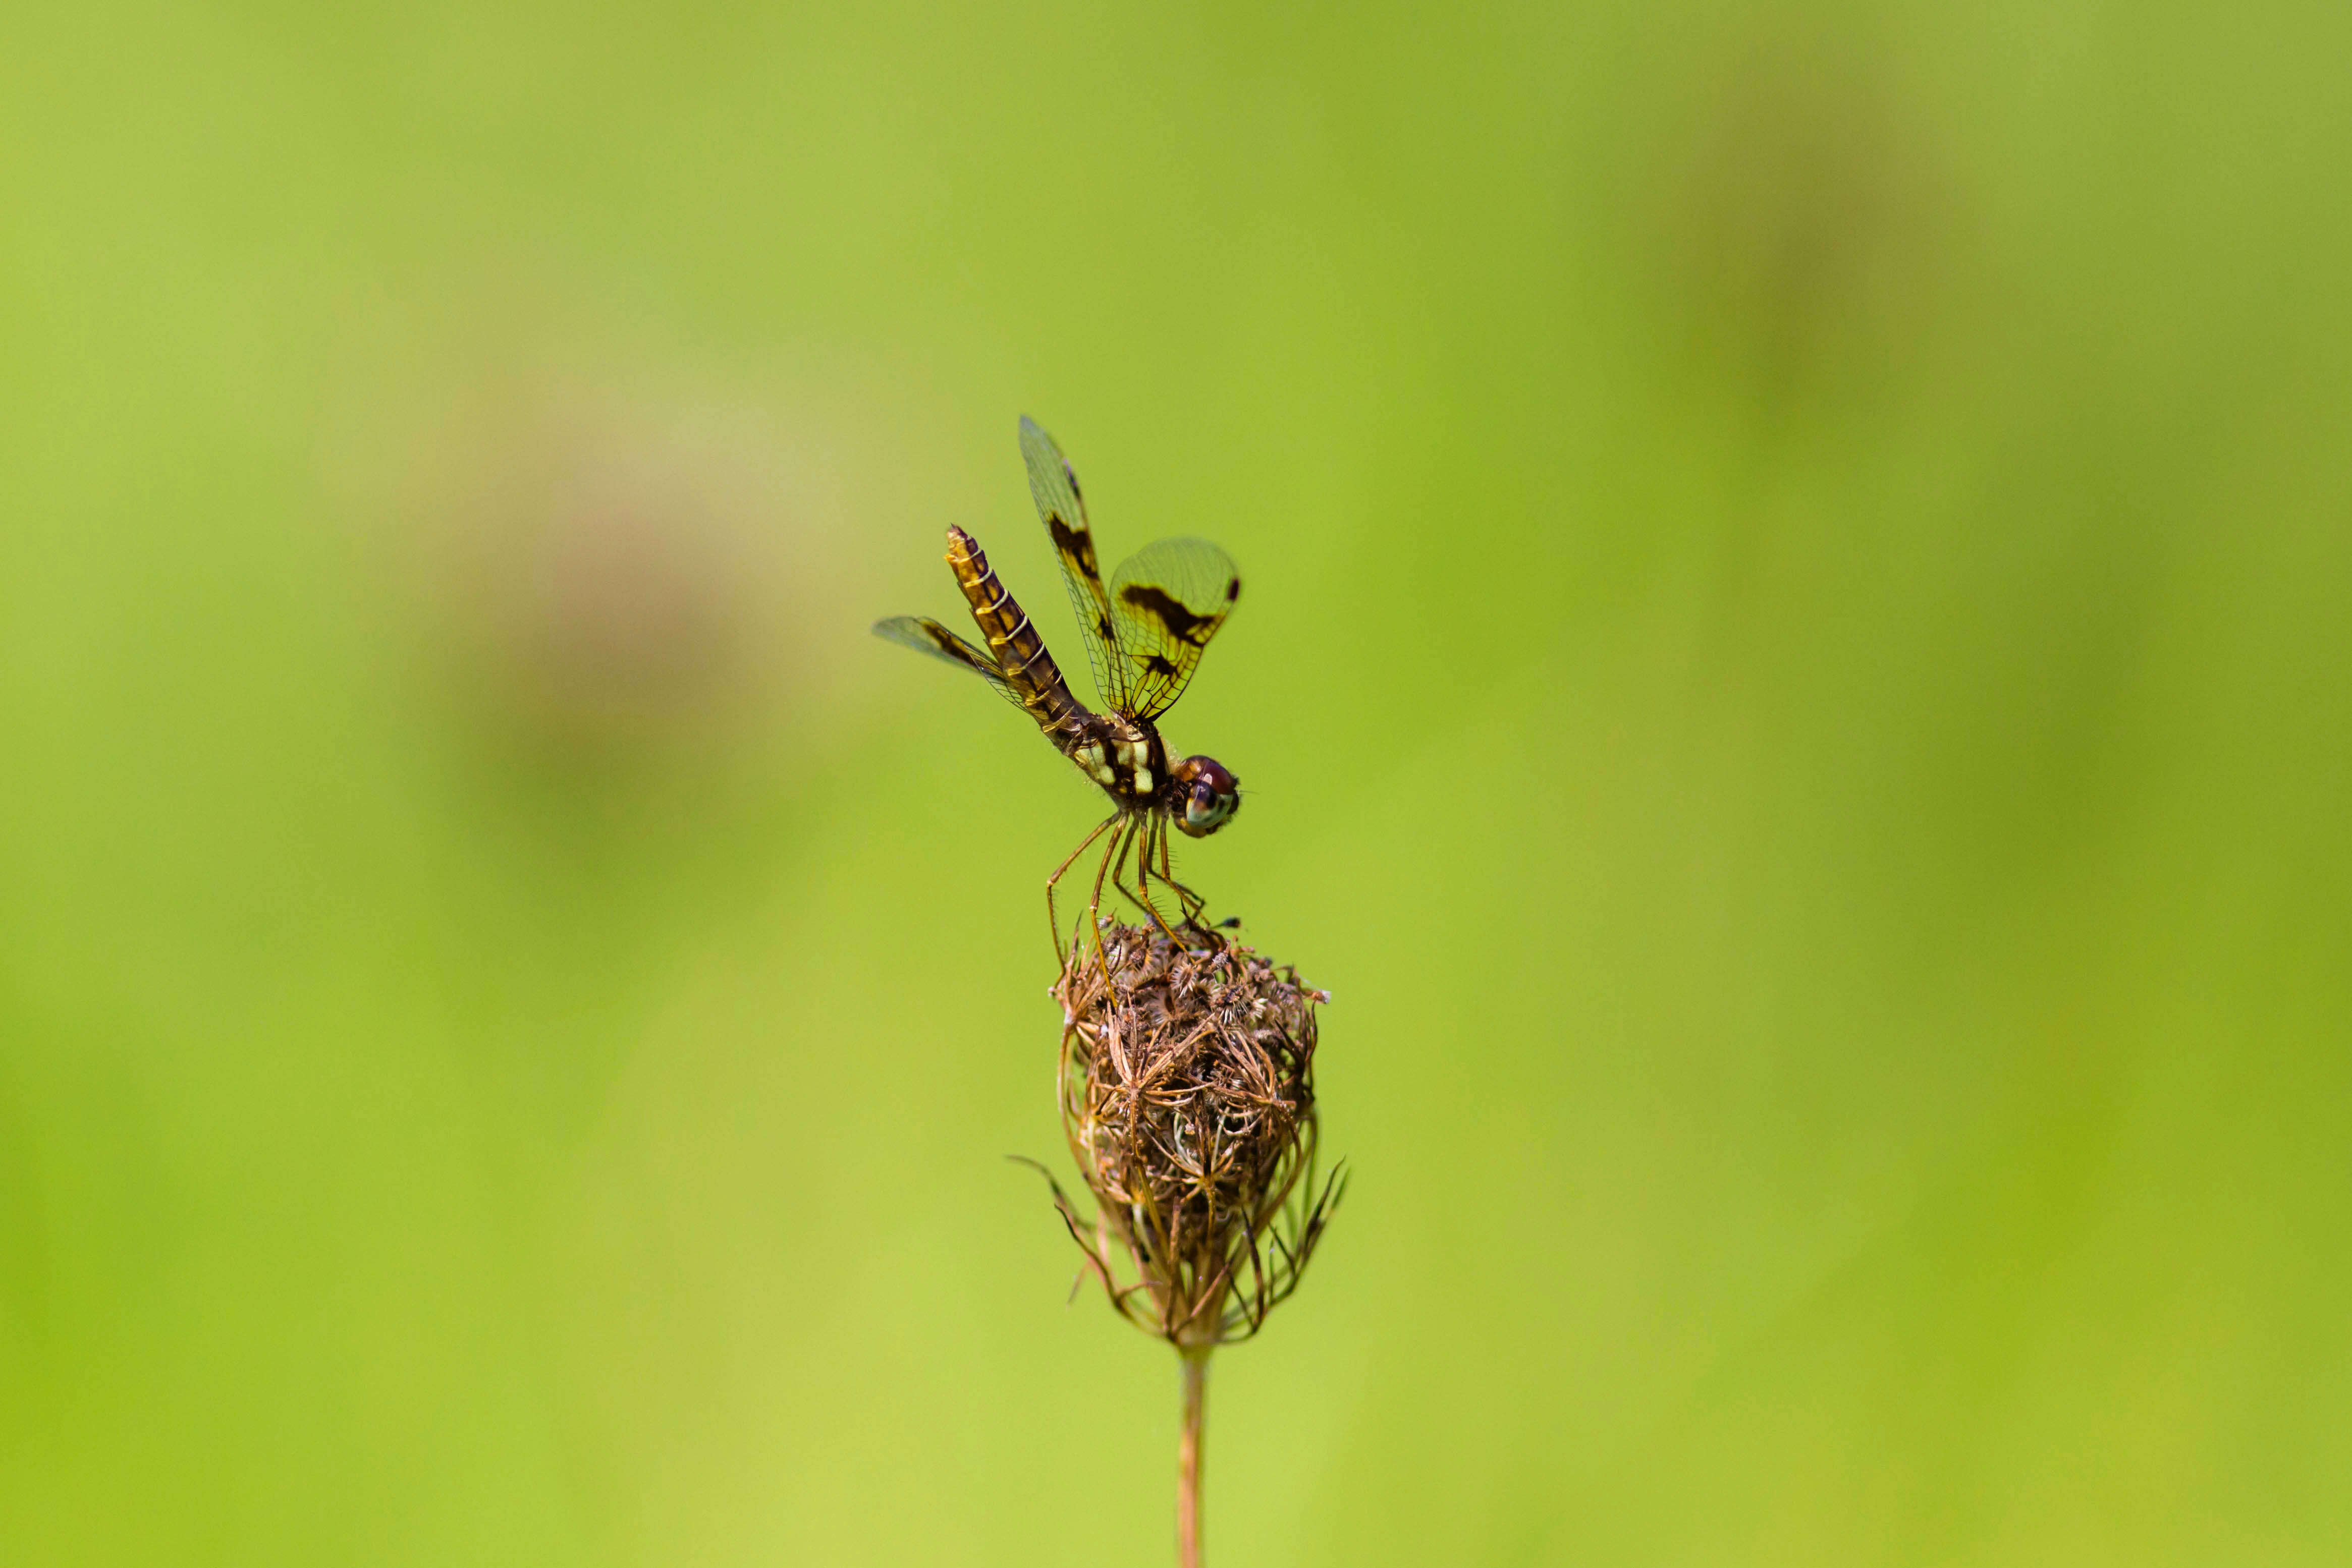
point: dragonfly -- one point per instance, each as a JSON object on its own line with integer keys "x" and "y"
{"x": 1144, "y": 636}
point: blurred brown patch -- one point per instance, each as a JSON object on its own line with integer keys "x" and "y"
{"x": 590, "y": 565}
{"x": 1804, "y": 217}
{"x": 598, "y": 546}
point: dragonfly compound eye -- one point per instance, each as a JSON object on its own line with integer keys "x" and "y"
{"x": 1211, "y": 795}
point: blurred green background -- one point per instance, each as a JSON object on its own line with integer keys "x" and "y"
{"x": 1794, "y": 686}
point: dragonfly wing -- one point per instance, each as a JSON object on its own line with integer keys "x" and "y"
{"x": 926, "y": 635}
{"x": 1167, "y": 601}
{"x": 1054, "y": 484}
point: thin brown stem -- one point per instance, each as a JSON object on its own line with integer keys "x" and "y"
{"x": 1188, "y": 1456}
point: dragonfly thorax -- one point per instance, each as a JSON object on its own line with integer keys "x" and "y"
{"x": 1124, "y": 755}
{"x": 1129, "y": 760}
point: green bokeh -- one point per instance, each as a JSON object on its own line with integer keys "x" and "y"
{"x": 1794, "y": 686}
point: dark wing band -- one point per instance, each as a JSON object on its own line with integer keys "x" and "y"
{"x": 1055, "y": 485}
{"x": 926, "y": 635}
{"x": 1167, "y": 601}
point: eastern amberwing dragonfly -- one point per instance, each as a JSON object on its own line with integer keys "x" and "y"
{"x": 1144, "y": 636}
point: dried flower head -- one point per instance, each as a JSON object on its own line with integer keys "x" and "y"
{"x": 1188, "y": 1096}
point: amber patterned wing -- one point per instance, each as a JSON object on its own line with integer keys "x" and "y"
{"x": 1063, "y": 510}
{"x": 926, "y": 635}
{"x": 1167, "y": 601}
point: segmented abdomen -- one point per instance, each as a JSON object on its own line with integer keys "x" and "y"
{"x": 1020, "y": 653}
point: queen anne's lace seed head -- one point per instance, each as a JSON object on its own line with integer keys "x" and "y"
{"x": 1188, "y": 1095}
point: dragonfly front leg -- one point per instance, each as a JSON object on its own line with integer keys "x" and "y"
{"x": 1191, "y": 903}
{"x": 1149, "y": 839}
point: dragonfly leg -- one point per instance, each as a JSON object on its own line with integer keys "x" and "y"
{"x": 1117, "y": 849}
{"x": 1153, "y": 834}
{"x": 1132, "y": 841}
{"x": 1051, "y": 920}
{"x": 1189, "y": 905}
{"x": 1192, "y": 905}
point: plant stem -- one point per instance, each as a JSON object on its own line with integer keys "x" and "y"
{"x": 1188, "y": 1456}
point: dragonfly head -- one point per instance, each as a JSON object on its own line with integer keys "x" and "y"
{"x": 1206, "y": 795}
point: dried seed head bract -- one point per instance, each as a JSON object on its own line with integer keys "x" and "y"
{"x": 1188, "y": 1097}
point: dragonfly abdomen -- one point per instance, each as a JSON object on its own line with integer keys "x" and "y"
{"x": 1019, "y": 651}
